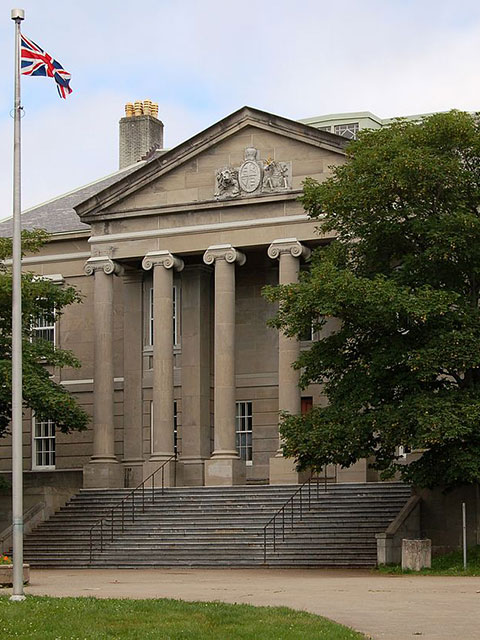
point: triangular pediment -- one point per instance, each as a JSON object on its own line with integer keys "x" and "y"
{"x": 249, "y": 155}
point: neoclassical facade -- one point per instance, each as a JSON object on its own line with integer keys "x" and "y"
{"x": 171, "y": 255}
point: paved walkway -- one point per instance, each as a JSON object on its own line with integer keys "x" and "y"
{"x": 383, "y": 607}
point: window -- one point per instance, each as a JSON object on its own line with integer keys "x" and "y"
{"x": 150, "y": 318}
{"x": 325, "y": 128}
{"x": 175, "y": 427}
{"x": 307, "y": 335}
{"x": 43, "y": 326}
{"x": 176, "y": 317}
{"x": 243, "y": 422}
{"x": 307, "y": 405}
{"x": 176, "y": 336}
{"x": 347, "y": 130}
{"x": 43, "y": 444}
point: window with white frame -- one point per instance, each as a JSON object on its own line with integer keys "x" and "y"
{"x": 175, "y": 319}
{"x": 349, "y": 130}
{"x": 243, "y": 426}
{"x": 43, "y": 444}
{"x": 43, "y": 326}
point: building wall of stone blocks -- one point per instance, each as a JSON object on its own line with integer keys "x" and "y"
{"x": 176, "y": 208}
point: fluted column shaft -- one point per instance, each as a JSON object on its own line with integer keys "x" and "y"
{"x": 224, "y": 257}
{"x": 163, "y": 264}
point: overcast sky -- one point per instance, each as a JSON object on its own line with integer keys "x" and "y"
{"x": 202, "y": 59}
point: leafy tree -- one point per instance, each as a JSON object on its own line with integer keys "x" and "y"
{"x": 41, "y": 298}
{"x": 402, "y": 366}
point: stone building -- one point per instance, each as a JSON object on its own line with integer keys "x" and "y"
{"x": 171, "y": 253}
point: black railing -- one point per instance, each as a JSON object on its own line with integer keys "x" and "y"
{"x": 303, "y": 498}
{"x": 122, "y": 511}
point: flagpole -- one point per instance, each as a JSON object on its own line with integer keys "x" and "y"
{"x": 17, "y": 410}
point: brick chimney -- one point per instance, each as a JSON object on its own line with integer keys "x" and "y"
{"x": 141, "y": 132}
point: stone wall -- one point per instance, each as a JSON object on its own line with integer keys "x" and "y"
{"x": 441, "y": 517}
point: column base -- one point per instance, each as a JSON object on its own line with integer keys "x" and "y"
{"x": 172, "y": 473}
{"x": 224, "y": 472}
{"x": 103, "y": 474}
{"x": 133, "y": 472}
{"x": 282, "y": 471}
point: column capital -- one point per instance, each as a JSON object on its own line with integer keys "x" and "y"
{"x": 288, "y": 245}
{"x": 224, "y": 252}
{"x": 162, "y": 259}
{"x": 102, "y": 263}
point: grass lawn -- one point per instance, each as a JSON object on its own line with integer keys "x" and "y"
{"x": 45, "y": 618}
{"x": 450, "y": 564}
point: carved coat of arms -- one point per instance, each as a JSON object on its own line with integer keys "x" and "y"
{"x": 252, "y": 177}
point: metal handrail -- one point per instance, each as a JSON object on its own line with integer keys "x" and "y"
{"x": 122, "y": 503}
{"x": 291, "y": 501}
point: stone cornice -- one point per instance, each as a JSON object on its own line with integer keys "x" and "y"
{"x": 102, "y": 263}
{"x": 288, "y": 245}
{"x": 224, "y": 252}
{"x": 162, "y": 259}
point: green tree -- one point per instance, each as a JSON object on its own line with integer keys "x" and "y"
{"x": 402, "y": 367}
{"x": 43, "y": 299}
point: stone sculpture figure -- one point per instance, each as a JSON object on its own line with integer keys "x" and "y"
{"x": 275, "y": 176}
{"x": 226, "y": 183}
{"x": 253, "y": 177}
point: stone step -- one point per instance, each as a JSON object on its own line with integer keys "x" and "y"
{"x": 219, "y": 526}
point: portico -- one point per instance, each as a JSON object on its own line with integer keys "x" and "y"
{"x": 208, "y": 368}
{"x": 175, "y": 330}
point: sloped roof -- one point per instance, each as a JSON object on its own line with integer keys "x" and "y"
{"x": 58, "y": 215}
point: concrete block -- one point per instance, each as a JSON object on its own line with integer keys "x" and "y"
{"x": 103, "y": 475}
{"x": 282, "y": 471}
{"x": 172, "y": 473}
{"x": 6, "y": 574}
{"x": 224, "y": 471}
{"x": 416, "y": 554}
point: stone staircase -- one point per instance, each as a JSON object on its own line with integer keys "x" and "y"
{"x": 220, "y": 527}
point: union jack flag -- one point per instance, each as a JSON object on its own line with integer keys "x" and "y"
{"x": 36, "y": 62}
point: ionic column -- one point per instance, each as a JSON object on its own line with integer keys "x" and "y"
{"x": 163, "y": 264}
{"x": 103, "y": 470}
{"x": 289, "y": 252}
{"x": 132, "y": 374}
{"x": 225, "y": 466}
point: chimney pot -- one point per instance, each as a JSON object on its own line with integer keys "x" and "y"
{"x": 147, "y": 107}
